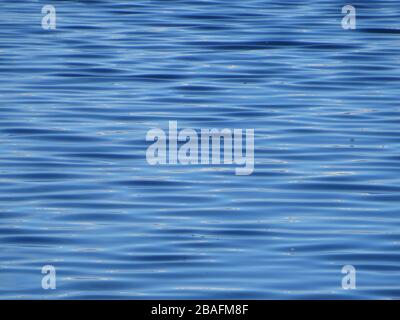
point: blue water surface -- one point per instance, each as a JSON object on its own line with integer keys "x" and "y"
{"x": 77, "y": 193}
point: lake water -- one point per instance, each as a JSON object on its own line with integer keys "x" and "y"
{"x": 77, "y": 193}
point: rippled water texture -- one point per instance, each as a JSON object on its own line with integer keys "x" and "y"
{"x": 77, "y": 193}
